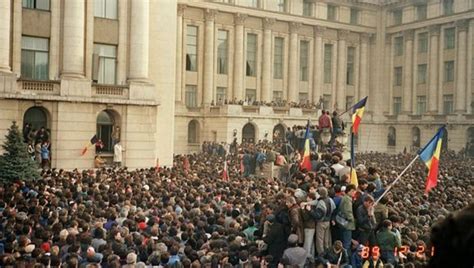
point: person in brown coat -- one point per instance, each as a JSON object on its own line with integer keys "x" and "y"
{"x": 296, "y": 218}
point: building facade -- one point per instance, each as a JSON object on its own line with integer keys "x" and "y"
{"x": 164, "y": 76}
{"x": 414, "y": 59}
{"x": 90, "y": 67}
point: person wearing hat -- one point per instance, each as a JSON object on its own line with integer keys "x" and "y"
{"x": 294, "y": 255}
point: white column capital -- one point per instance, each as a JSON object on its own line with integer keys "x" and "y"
{"x": 462, "y": 25}
{"x": 210, "y": 14}
{"x": 408, "y": 35}
{"x": 319, "y": 31}
{"x": 388, "y": 38}
{"x": 342, "y": 34}
{"x": 434, "y": 29}
{"x": 181, "y": 9}
{"x": 295, "y": 26}
{"x": 239, "y": 18}
{"x": 365, "y": 37}
{"x": 268, "y": 23}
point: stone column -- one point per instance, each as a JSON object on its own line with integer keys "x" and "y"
{"x": 139, "y": 40}
{"x": 239, "y": 20}
{"x": 123, "y": 6}
{"x": 341, "y": 69}
{"x": 208, "y": 87}
{"x": 73, "y": 39}
{"x": 293, "y": 88}
{"x": 364, "y": 66}
{"x": 267, "y": 60}
{"x": 318, "y": 65}
{"x": 388, "y": 68}
{"x": 179, "y": 53}
{"x": 5, "y": 13}
{"x": 460, "y": 106}
{"x": 433, "y": 67}
{"x": 407, "y": 71}
{"x": 54, "y": 40}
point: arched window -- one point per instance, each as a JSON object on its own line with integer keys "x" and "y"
{"x": 279, "y": 132}
{"x": 36, "y": 125}
{"x": 392, "y": 136}
{"x": 193, "y": 131}
{"x": 248, "y": 133}
{"x": 415, "y": 133}
{"x": 105, "y": 127}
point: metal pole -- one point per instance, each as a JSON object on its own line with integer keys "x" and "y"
{"x": 395, "y": 181}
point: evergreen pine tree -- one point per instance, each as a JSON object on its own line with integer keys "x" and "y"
{"x": 16, "y": 163}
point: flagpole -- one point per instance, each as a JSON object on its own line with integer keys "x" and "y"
{"x": 395, "y": 181}
{"x": 350, "y": 108}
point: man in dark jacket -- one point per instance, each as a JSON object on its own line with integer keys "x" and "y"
{"x": 366, "y": 223}
{"x": 336, "y": 256}
{"x": 276, "y": 241}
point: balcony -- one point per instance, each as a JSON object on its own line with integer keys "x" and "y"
{"x": 110, "y": 91}
{"x": 37, "y": 87}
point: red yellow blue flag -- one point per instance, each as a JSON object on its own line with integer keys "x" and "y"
{"x": 357, "y": 113}
{"x": 430, "y": 156}
{"x": 306, "y": 163}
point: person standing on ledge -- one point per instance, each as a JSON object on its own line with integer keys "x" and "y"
{"x": 118, "y": 150}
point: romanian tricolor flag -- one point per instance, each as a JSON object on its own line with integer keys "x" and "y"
{"x": 306, "y": 162}
{"x": 91, "y": 143}
{"x": 430, "y": 155}
{"x": 357, "y": 113}
{"x": 225, "y": 175}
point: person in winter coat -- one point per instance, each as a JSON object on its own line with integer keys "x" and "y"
{"x": 345, "y": 212}
{"x": 296, "y": 218}
{"x": 276, "y": 240}
{"x": 335, "y": 257}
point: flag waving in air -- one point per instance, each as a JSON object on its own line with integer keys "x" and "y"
{"x": 225, "y": 175}
{"x": 306, "y": 163}
{"x": 430, "y": 155}
{"x": 92, "y": 142}
{"x": 357, "y": 113}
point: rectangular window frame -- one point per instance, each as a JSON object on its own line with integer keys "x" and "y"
{"x": 106, "y": 9}
{"x": 278, "y": 55}
{"x": 448, "y": 7}
{"x": 328, "y": 51}
{"x": 331, "y": 12}
{"x": 107, "y": 63}
{"x": 304, "y": 60}
{"x": 307, "y": 8}
{"x": 421, "y": 12}
{"x": 397, "y": 105}
{"x": 351, "y": 51}
{"x": 251, "y": 55}
{"x": 397, "y": 16}
{"x": 354, "y": 19}
{"x": 397, "y": 76}
{"x": 222, "y": 51}
{"x": 34, "y": 51}
{"x": 448, "y": 71}
{"x": 190, "y": 99}
{"x": 398, "y": 46}
{"x": 421, "y": 73}
{"x": 420, "y": 105}
{"x": 44, "y": 5}
{"x": 192, "y": 48}
{"x": 423, "y": 42}
{"x": 450, "y": 38}
{"x": 221, "y": 95}
{"x": 250, "y": 95}
{"x": 448, "y": 104}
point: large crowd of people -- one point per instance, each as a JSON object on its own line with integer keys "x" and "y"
{"x": 188, "y": 215}
{"x": 304, "y": 104}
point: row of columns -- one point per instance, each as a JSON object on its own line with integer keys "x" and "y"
{"x": 239, "y": 55}
{"x": 74, "y": 38}
{"x": 436, "y": 71}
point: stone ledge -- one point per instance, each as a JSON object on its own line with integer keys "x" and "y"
{"x": 44, "y": 97}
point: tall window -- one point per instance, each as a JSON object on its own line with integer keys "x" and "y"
{"x": 34, "y": 58}
{"x": 105, "y": 9}
{"x": 251, "y": 54}
{"x": 304, "y": 60}
{"x": 193, "y": 132}
{"x": 350, "y": 66}
{"x": 398, "y": 46}
{"x": 392, "y": 136}
{"x": 397, "y": 76}
{"x": 105, "y": 60}
{"x": 449, "y": 38}
{"x": 422, "y": 42}
{"x": 253, "y": 3}
{"x": 278, "y": 58}
{"x": 282, "y": 5}
{"x": 222, "y": 37}
{"x": 448, "y": 7}
{"x": 397, "y": 16}
{"x": 354, "y": 16}
{"x": 449, "y": 71}
{"x": 326, "y": 101}
{"x": 331, "y": 12}
{"x": 190, "y": 97}
{"x": 397, "y": 105}
{"x": 277, "y": 95}
{"x": 250, "y": 95}
{"x": 221, "y": 94}
{"x": 105, "y": 128}
{"x": 448, "y": 104}
{"x": 327, "y": 63}
{"x": 420, "y": 105}
{"x": 307, "y": 8}
{"x": 421, "y": 12}
{"x": 36, "y": 4}
{"x": 421, "y": 73}
{"x": 191, "y": 48}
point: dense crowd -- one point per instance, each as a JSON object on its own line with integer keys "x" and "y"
{"x": 304, "y": 104}
{"x": 188, "y": 216}
{"x": 39, "y": 145}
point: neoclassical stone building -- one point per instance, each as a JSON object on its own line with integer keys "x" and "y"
{"x": 157, "y": 73}
{"x": 86, "y": 67}
{"x": 414, "y": 59}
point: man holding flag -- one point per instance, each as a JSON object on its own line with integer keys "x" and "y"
{"x": 357, "y": 113}
{"x": 306, "y": 161}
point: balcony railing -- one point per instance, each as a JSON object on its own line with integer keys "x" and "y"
{"x": 114, "y": 91}
{"x": 39, "y": 87}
